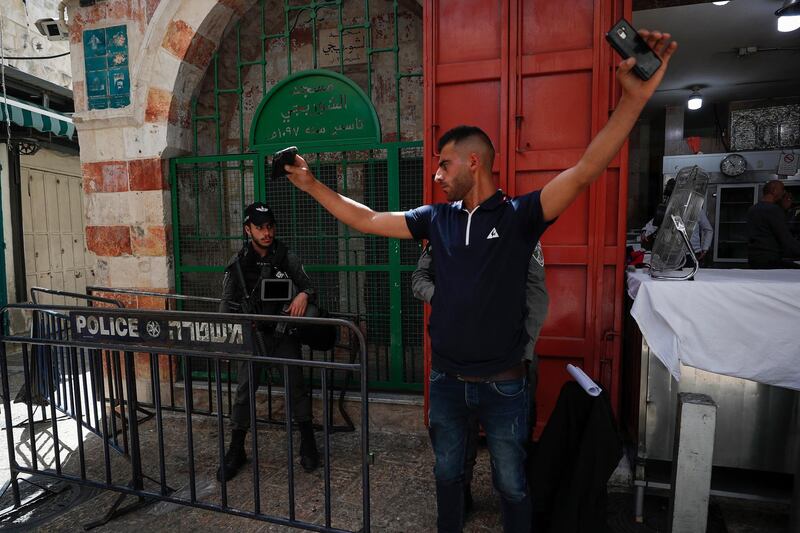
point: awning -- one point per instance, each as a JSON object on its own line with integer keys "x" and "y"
{"x": 38, "y": 118}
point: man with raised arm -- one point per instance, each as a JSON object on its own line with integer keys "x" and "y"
{"x": 484, "y": 241}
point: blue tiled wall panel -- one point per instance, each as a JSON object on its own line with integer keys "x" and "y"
{"x": 108, "y": 83}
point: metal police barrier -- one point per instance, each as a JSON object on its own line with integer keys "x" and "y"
{"x": 51, "y": 371}
{"x": 167, "y": 456}
{"x": 201, "y": 369}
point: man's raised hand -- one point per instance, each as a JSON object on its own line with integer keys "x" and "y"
{"x": 632, "y": 85}
{"x": 300, "y": 175}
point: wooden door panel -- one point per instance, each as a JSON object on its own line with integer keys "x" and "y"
{"x": 556, "y": 26}
{"x": 54, "y": 228}
{"x": 468, "y": 30}
{"x": 538, "y": 76}
{"x": 466, "y": 76}
{"x": 69, "y": 281}
{"x": 64, "y": 204}
{"x": 56, "y": 255}
{"x": 41, "y": 248}
{"x": 30, "y": 257}
{"x": 566, "y": 284}
{"x": 555, "y": 110}
{"x": 36, "y": 192}
{"x": 68, "y": 252}
{"x": 561, "y": 98}
{"x": 450, "y": 107}
{"x": 57, "y": 280}
{"x": 51, "y": 202}
{"x": 615, "y": 209}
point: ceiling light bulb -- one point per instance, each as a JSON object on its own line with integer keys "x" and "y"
{"x": 788, "y": 23}
{"x": 720, "y": 3}
{"x": 695, "y": 101}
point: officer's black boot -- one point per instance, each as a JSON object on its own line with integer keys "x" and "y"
{"x": 517, "y": 516}
{"x": 468, "y": 503}
{"x": 309, "y": 456}
{"x": 450, "y": 507}
{"x": 235, "y": 457}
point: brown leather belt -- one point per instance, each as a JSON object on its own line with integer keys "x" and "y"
{"x": 515, "y": 372}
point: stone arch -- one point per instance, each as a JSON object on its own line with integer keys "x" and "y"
{"x": 124, "y": 150}
{"x": 176, "y": 50}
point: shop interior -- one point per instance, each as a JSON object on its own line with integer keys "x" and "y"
{"x": 733, "y": 88}
{"x": 730, "y": 104}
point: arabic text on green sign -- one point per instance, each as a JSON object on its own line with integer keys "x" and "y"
{"x": 315, "y": 107}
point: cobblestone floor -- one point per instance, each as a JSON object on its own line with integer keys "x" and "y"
{"x": 401, "y": 484}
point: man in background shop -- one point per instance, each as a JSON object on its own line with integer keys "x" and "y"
{"x": 423, "y": 281}
{"x": 769, "y": 242}
{"x": 792, "y": 214}
{"x": 701, "y": 237}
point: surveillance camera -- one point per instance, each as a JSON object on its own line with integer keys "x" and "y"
{"x": 54, "y": 30}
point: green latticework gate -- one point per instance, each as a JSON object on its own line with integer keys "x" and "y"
{"x": 363, "y": 275}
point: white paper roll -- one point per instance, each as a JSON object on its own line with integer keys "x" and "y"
{"x": 591, "y": 388}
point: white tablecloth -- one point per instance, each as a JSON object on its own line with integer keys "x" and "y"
{"x": 743, "y": 323}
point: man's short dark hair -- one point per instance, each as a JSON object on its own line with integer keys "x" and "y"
{"x": 461, "y": 133}
{"x": 773, "y": 187}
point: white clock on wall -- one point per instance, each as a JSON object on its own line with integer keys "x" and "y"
{"x": 733, "y": 165}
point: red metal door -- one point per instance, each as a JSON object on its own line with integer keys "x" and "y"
{"x": 537, "y": 76}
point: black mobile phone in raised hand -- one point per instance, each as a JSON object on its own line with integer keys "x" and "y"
{"x": 280, "y": 160}
{"x": 624, "y": 38}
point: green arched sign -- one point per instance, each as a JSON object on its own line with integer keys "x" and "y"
{"x": 315, "y": 107}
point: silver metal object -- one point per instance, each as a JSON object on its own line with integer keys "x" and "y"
{"x": 758, "y": 419}
{"x": 794, "y": 525}
{"x": 757, "y": 428}
{"x": 684, "y": 206}
{"x": 691, "y": 463}
{"x": 678, "y": 223}
{"x": 728, "y": 199}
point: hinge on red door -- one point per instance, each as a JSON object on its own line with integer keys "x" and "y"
{"x": 606, "y": 361}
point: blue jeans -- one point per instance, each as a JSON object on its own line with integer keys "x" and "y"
{"x": 501, "y": 407}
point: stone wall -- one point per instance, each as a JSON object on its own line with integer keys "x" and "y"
{"x": 384, "y": 86}
{"x": 22, "y": 39}
{"x": 125, "y": 150}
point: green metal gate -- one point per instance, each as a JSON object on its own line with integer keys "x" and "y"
{"x": 363, "y": 275}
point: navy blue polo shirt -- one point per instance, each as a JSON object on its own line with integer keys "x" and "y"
{"x": 478, "y": 308}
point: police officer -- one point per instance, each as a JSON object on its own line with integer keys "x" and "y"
{"x": 265, "y": 257}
